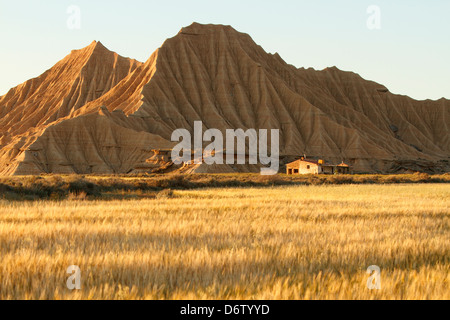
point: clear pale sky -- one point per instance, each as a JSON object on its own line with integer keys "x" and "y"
{"x": 409, "y": 54}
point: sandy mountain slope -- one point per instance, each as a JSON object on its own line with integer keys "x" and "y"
{"x": 220, "y": 76}
{"x": 108, "y": 146}
{"x": 82, "y": 76}
{"x": 217, "y": 75}
{"x": 30, "y": 110}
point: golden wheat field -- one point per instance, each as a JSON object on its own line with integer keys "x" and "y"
{"x": 301, "y": 242}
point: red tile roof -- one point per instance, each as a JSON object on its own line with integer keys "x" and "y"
{"x": 310, "y": 161}
{"x": 300, "y": 160}
{"x": 343, "y": 165}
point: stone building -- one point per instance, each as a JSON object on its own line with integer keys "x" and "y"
{"x": 309, "y": 166}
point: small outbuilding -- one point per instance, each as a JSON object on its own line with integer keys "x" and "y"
{"x": 343, "y": 168}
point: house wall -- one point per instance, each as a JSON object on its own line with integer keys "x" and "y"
{"x": 292, "y": 169}
{"x": 313, "y": 168}
{"x": 343, "y": 170}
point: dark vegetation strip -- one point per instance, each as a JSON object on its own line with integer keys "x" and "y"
{"x": 59, "y": 187}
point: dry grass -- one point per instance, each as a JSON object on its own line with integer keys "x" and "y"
{"x": 301, "y": 242}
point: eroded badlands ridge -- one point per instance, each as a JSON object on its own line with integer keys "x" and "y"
{"x": 97, "y": 112}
